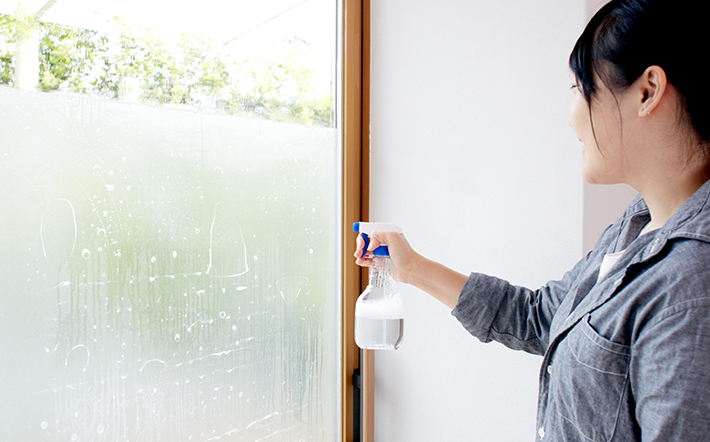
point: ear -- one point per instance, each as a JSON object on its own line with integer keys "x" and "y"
{"x": 651, "y": 87}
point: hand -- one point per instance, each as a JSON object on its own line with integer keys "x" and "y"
{"x": 401, "y": 253}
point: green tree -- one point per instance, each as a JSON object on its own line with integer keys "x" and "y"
{"x": 7, "y": 68}
{"x": 67, "y": 57}
{"x": 135, "y": 64}
{"x": 277, "y": 86}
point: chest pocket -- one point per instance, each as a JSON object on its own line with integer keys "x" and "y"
{"x": 588, "y": 383}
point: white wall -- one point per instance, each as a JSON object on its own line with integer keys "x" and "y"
{"x": 472, "y": 156}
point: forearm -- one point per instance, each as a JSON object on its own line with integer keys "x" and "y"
{"x": 435, "y": 279}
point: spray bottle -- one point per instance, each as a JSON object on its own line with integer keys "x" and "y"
{"x": 379, "y": 311}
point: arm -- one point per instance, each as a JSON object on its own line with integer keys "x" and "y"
{"x": 490, "y": 309}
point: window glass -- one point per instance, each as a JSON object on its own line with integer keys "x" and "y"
{"x": 169, "y": 218}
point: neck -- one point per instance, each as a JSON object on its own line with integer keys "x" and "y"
{"x": 664, "y": 196}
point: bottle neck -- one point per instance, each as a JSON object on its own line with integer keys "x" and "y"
{"x": 381, "y": 272}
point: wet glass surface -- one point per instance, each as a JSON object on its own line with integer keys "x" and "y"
{"x": 166, "y": 274}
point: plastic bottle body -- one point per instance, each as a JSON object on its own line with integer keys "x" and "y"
{"x": 379, "y": 311}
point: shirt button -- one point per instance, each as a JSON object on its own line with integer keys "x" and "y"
{"x": 549, "y": 369}
{"x": 541, "y": 432}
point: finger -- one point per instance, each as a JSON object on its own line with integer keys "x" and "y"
{"x": 359, "y": 245}
{"x": 364, "y": 262}
{"x": 375, "y": 242}
{"x": 362, "y": 243}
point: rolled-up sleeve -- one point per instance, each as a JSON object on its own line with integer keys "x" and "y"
{"x": 492, "y": 309}
{"x": 479, "y": 303}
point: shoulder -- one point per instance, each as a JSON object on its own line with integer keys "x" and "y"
{"x": 684, "y": 262}
{"x": 677, "y": 281}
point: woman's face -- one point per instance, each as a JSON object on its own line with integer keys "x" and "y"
{"x": 601, "y": 135}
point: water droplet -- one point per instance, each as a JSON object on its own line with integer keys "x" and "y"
{"x": 152, "y": 279}
{"x": 310, "y": 251}
{"x": 105, "y": 213}
{"x": 222, "y": 315}
{"x": 100, "y": 429}
{"x": 74, "y": 436}
{"x": 100, "y": 231}
{"x": 234, "y": 328}
{"x": 110, "y": 187}
{"x": 177, "y": 337}
{"x": 153, "y": 259}
{"x": 44, "y": 425}
{"x": 197, "y": 230}
{"x": 240, "y": 288}
{"x": 174, "y": 254}
{"x": 86, "y": 254}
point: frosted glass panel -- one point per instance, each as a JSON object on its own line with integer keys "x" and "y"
{"x": 169, "y": 269}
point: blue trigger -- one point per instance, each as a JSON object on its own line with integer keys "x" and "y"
{"x": 366, "y": 238}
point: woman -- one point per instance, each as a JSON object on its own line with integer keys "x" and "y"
{"x": 625, "y": 334}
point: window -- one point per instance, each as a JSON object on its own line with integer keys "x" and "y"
{"x": 171, "y": 210}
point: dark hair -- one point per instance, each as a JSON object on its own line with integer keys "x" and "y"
{"x": 625, "y": 37}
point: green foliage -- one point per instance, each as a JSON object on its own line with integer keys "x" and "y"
{"x": 8, "y": 37}
{"x": 136, "y": 65}
{"x": 279, "y": 87}
{"x": 7, "y": 69}
{"x": 67, "y": 57}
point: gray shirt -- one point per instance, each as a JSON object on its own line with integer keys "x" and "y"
{"x": 626, "y": 358}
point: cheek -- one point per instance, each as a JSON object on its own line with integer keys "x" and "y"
{"x": 579, "y": 115}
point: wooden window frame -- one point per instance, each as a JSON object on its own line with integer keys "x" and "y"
{"x": 356, "y": 186}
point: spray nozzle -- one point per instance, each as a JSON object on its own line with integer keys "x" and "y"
{"x": 367, "y": 228}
